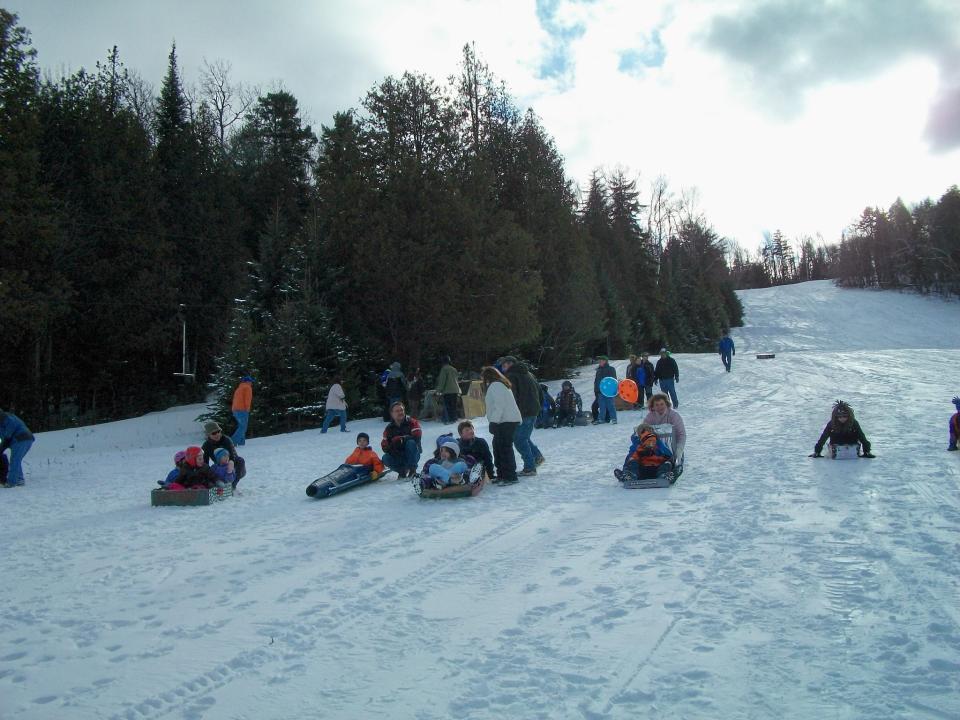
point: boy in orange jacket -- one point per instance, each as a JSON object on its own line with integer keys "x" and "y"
{"x": 366, "y": 456}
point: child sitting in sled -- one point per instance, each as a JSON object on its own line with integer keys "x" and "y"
{"x": 843, "y": 429}
{"x": 195, "y": 473}
{"x": 448, "y": 469}
{"x": 648, "y": 456}
{"x": 365, "y": 457}
{"x": 954, "y": 425}
{"x": 179, "y": 460}
{"x": 224, "y": 468}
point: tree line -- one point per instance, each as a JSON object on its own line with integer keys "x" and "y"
{"x": 434, "y": 218}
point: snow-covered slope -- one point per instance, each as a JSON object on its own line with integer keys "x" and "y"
{"x": 764, "y": 584}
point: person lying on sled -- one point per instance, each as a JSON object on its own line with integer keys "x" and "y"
{"x": 648, "y": 456}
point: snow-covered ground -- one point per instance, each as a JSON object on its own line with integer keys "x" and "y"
{"x": 764, "y": 584}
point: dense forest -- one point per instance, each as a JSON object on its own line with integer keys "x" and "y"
{"x": 434, "y": 218}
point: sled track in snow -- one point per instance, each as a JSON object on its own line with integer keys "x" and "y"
{"x": 302, "y": 637}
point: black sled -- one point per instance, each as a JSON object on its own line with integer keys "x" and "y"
{"x": 345, "y": 477}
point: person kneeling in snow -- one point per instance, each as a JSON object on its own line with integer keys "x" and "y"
{"x": 364, "y": 457}
{"x": 843, "y": 429}
{"x": 224, "y": 468}
{"x": 401, "y": 442}
{"x": 569, "y": 405}
{"x": 648, "y": 457}
{"x": 954, "y": 425}
{"x": 448, "y": 468}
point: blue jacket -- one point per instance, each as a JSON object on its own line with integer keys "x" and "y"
{"x": 12, "y": 429}
{"x": 727, "y": 347}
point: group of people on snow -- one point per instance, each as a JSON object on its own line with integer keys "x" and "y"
{"x": 214, "y": 464}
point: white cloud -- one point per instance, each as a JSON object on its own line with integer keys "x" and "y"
{"x": 705, "y": 117}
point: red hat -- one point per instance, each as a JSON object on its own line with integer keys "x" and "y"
{"x": 194, "y": 456}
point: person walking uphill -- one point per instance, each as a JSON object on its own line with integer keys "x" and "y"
{"x": 448, "y": 389}
{"x": 605, "y": 406}
{"x": 395, "y": 385}
{"x": 526, "y": 391}
{"x": 727, "y": 350}
{"x": 14, "y": 434}
{"x": 503, "y": 415}
{"x": 242, "y": 402}
{"x": 667, "y": 374}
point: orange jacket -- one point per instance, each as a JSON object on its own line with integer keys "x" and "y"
{"x": 365, "y": 456}
{"x": 243, "y": 397}
{"x": 646, "y": 452}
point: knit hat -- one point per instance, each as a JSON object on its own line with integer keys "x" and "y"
{"x": 246, "y": 378}
{"x": 219, "y": 453}
{"x": 452, "y": 447}
{"x": 179, "y": 457}
{"x": 212, "y": 427}
{"x": 194, "y": 456}
{"x": 363, "y": 435}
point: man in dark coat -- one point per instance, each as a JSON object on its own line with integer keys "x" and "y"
{"x": 401, "y": 442}
{"x": 526, "y": 390}
{"x": 668, "y": 374}
{"x": 606, "y": 410}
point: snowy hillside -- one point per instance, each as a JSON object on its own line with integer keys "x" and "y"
{"x": 764, "y": 584}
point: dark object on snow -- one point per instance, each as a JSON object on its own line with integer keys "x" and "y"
{"x": 190, "y": 497}
{"x": 4, "y": 467}
{"x": 343, "y": 478}
{"x": 766, "y": 356}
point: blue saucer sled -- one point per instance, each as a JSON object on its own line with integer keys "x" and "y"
{"x": 345, "y": 477}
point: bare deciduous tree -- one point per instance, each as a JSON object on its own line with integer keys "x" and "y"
{"x": 228, "y": 101}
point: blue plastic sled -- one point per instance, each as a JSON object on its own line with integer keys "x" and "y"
{"x": 343, "y": 478}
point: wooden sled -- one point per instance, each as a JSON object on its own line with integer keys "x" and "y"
{"x": 194, "y": 496}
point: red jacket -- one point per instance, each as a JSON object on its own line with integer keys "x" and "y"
{"x": 365, "y": 456}
{"x": 392, "y": 432}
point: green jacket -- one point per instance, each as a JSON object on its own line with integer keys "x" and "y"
{"x": 447, "y": 381}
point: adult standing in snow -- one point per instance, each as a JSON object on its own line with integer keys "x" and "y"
{"x": 401, "y": 441}
{"x": 448, "y": 389}
{"x": 395, "y": 386}
{"x": 667, "y": 374}
{"x": 14, "y": 434}
{"x": 843, "y": 429}
{"x": 242, "y": 402}
{"x": 474, "y": 446}
{"x": 605, "y": 406}
{"x": 414, "y": 392}
{"x": 336, "y": 407}
{"x": 526, "y": 391}
{"x": 659, "y": 413}
{"x": 504, "y": 418}
{"x": 646, "y": 375}
{"x": 727, "y": 349}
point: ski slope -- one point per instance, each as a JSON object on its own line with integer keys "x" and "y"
{"x": 764, "y": 584}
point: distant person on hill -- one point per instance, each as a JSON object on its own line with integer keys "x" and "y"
{"x": 606, "y": 410}
{"x": 843, "y": 429}
{"x": 668, "y": 375}
{"x": 336, "y": 407}
{"x": 14, "y": 434}
{"x": 954, "y": 425}
{"x": 646, "y": 376}
{"x": 395, "y": 386}
{"x": 414, "y": 392}
{"x": 242, "y": 403}
{"x": 727, "y": 350}
{"x": 448, "y": 389}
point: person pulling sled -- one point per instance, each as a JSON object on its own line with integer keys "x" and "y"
{"x": 845, "y": 436}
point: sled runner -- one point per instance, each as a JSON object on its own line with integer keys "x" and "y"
{"x": 657, "y": 477}
{"x": 473, "y": 485}
{"x": 192, "y": 496}
{"x": 343, "y": 478}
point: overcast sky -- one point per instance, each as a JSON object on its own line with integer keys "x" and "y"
{"x": 789, "y": 114}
